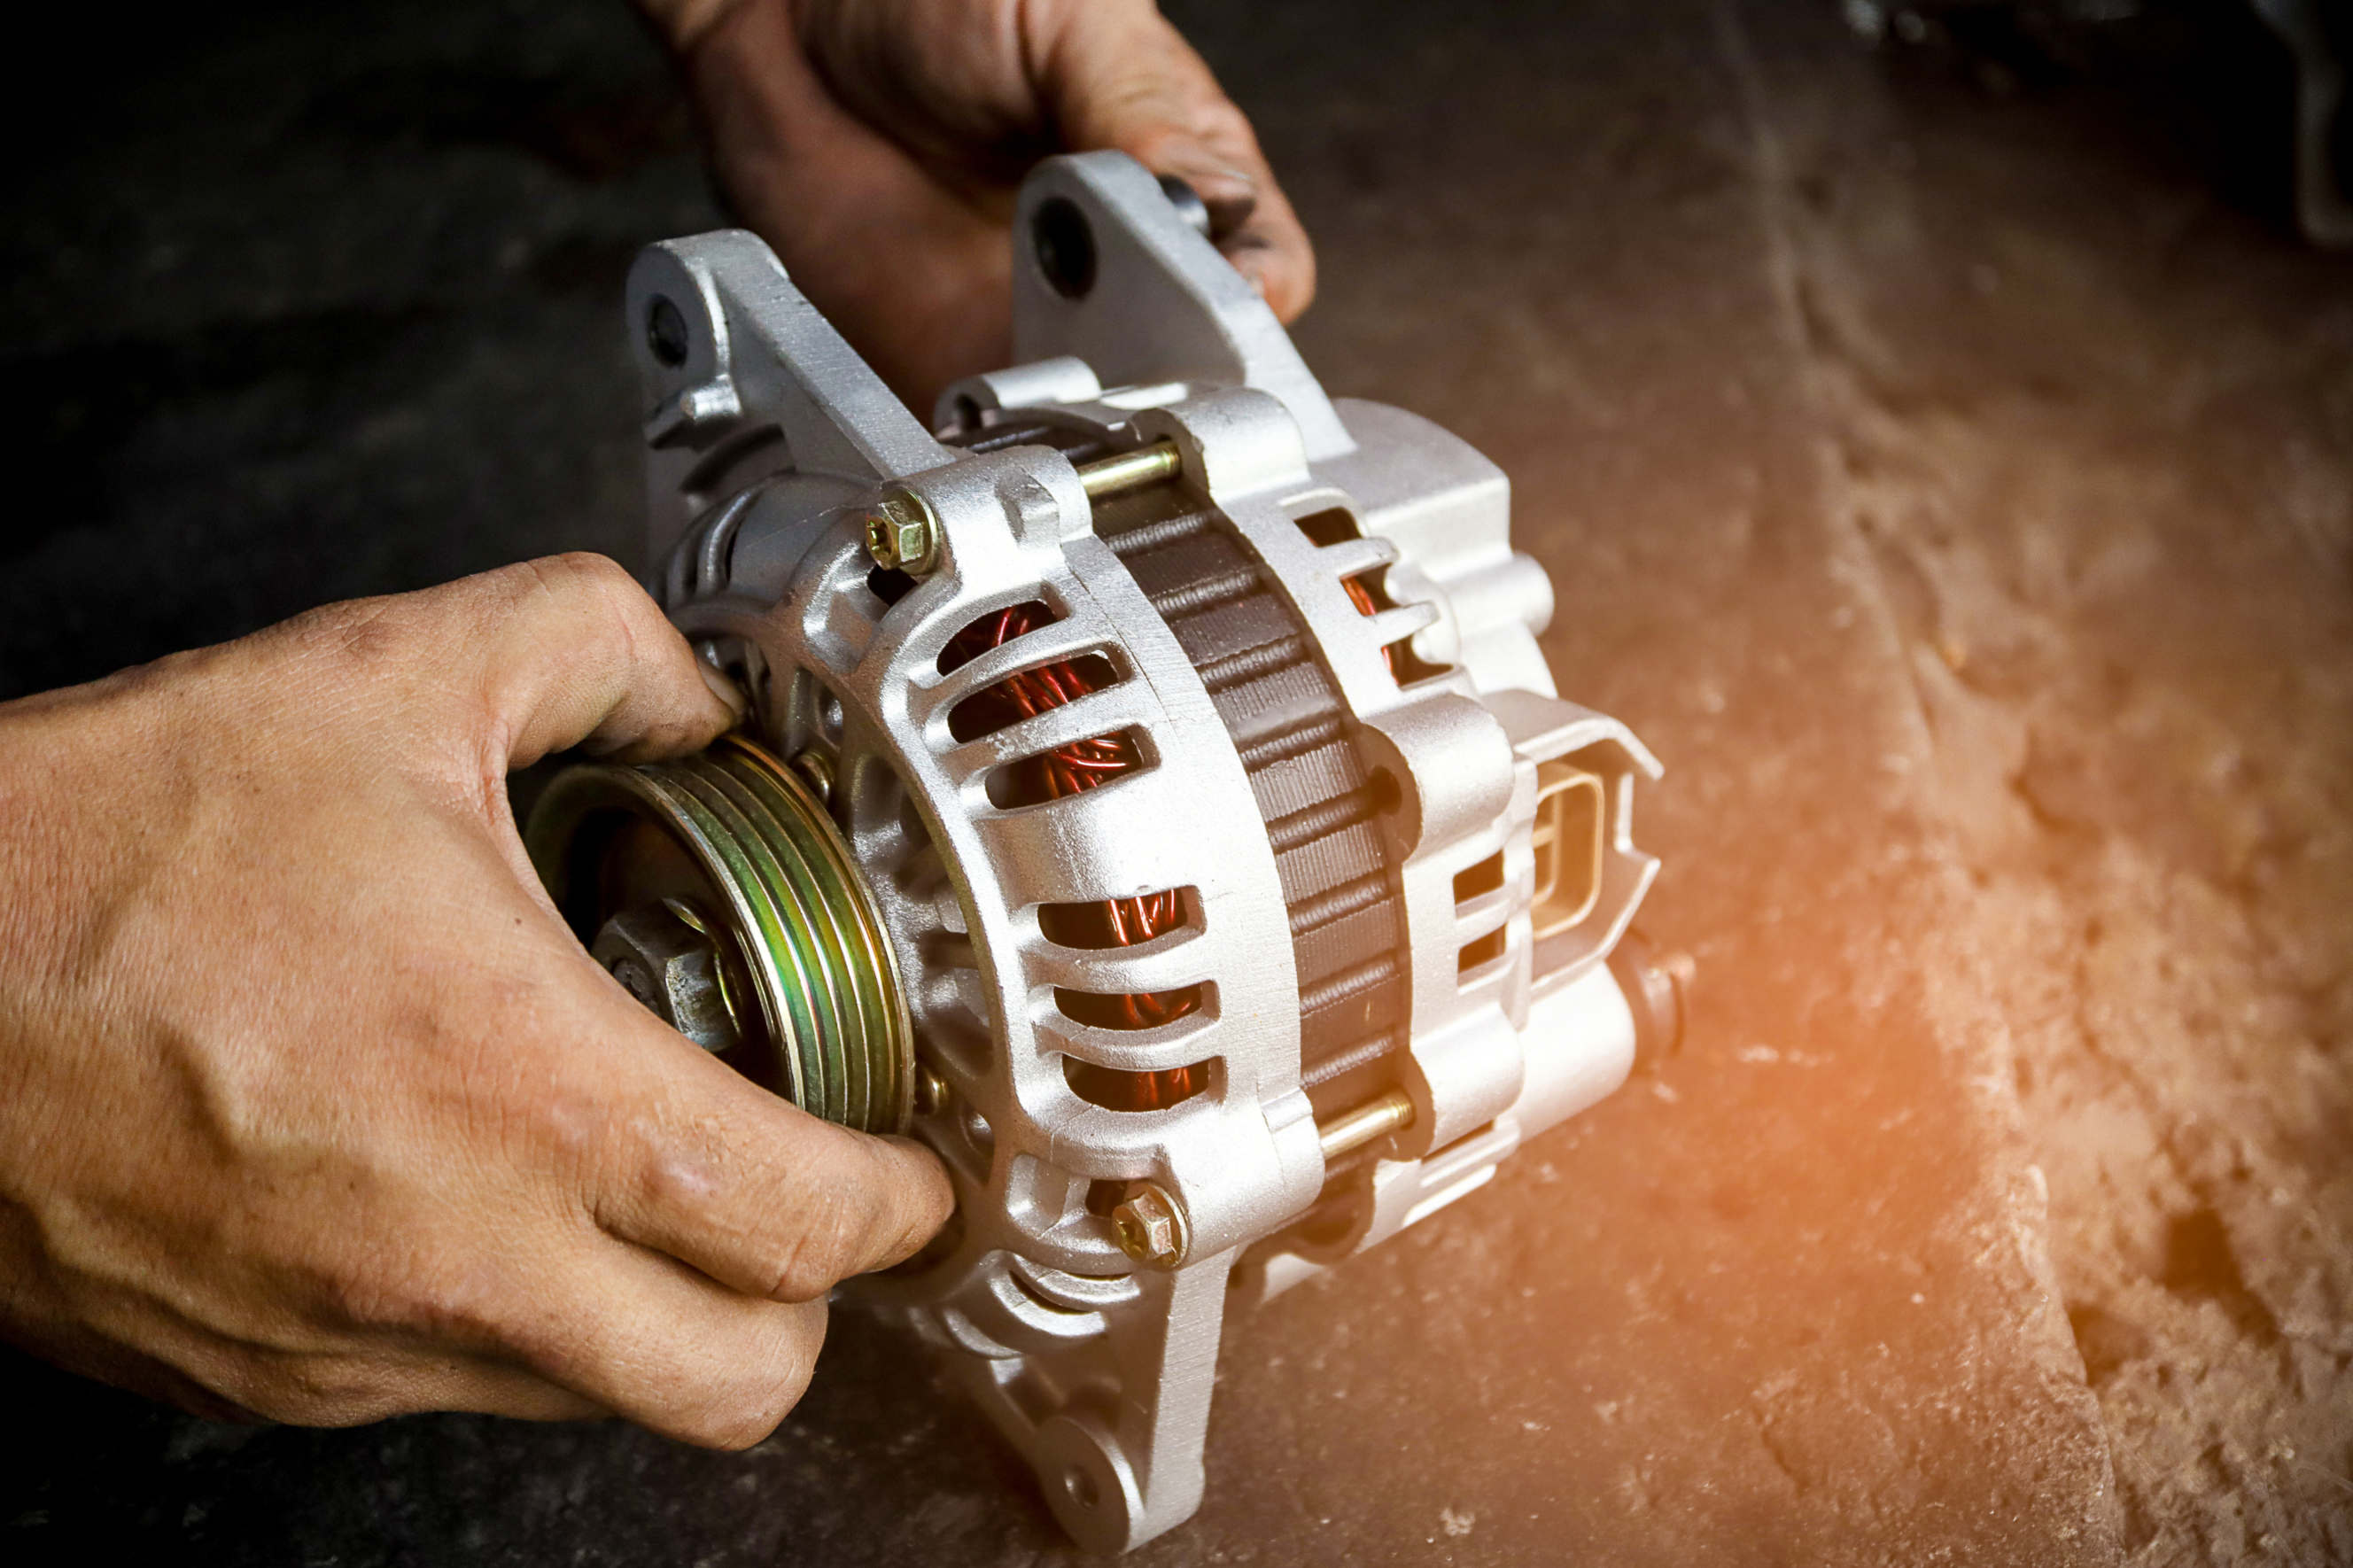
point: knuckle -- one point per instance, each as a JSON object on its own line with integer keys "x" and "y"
{"x": 763, "y": 1385}
{"x": 600, "y": 602}
{"x": 1220, "y": 121}
{"x": 584, "y": 580}
{"x": 814, "y": 1261}
{"x": 834, "y": 1232}
{"x": 1159, "y": 144}
{"x": 560, "y": 1129}
{"x": 354, "y": 638}
{"x": 601, "y": 576}
{"x": 734, "y": 1426}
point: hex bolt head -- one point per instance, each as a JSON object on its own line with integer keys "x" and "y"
{"x": 901, "y": 534}
{"x": 1151, "y": 1226}
{"x": 671, "y": 965}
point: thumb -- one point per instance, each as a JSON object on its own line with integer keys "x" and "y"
{"x": 570, "y": 651}
{"x": 1119, "y": 76}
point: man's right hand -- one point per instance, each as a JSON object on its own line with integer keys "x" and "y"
{"x": 310, "y": 1106}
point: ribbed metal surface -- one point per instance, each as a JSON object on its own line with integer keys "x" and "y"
{"x": 1258, "y": 663}
{"x": 1077, "y": 447}
{"x": 827, "y": 981}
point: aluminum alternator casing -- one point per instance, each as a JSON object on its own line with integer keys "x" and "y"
{"x": 1336, "y": 787}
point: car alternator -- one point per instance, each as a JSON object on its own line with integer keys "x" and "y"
{"x": 1155, "y": 801}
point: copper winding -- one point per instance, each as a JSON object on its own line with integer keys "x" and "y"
{"x": 1361, "y": 597}
{"x": 1066, "y": 771}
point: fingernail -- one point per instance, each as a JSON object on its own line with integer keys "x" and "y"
{"x": 723, "y": 687}
{"x": 1215, "y": 180}
{"x": 1253, "y": 269}
{"x": 1211, "y": 177}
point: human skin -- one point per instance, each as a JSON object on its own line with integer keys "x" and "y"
{"x": 311, "y": 1109}
{"x": 878, "y": 145}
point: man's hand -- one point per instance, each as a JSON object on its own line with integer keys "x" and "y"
{"x": 877, "y": 144}
{"x": 311, "y": 1109}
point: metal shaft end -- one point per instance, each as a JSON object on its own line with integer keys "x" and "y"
{"x": 1130, "y": 470}
{"x": 1353, "y": 1128}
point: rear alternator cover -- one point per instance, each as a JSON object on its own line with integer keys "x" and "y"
{"x": 1155, "y": 801}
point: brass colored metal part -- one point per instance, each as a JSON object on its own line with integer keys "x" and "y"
{"x": 736, "y": 837}
{"x": 1377, "y": 1117}
{"x": 901, "y": 534}
{"x": 931, "y": 1090}
{"x": 817, "y": 772}
{"x": 1151, "y": 1226}
{"x": 1130, "y": 470}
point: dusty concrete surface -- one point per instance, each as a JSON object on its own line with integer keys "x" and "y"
{"x": 1951, "y": 491}
{"x": 2099, "y": 433}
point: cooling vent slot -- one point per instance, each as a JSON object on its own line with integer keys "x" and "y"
{"x": 1114, "y": 1090}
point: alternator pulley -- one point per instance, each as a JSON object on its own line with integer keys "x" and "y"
{"x": 732, "y": 849}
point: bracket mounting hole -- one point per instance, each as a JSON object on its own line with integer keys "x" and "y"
{"x": 1065, "y": 246}
{"x": 666, "y": 334}
{"x": 1082, "y": 1487}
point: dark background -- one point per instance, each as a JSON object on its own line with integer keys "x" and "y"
{"x": 1943, "y": 454}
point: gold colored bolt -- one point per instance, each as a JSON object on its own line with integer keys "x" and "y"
{"x": 816, "y": 772}
{"x": 1151, "y": 1227}
{"x": 1130, "y": 470}
{"x": 931, "y": 1090}
{"x": 901, "y": 534}
{"x": 1376, "y": 1119}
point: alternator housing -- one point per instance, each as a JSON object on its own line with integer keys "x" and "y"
{"x": 1251, "y": 890}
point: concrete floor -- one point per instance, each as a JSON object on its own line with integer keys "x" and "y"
{"x": 1950, "y": 487}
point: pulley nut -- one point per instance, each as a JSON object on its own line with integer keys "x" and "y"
{"x": 901, "y": 534}
{"x": 665, "y": 955}
{"x": 1151, "y": 1226}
